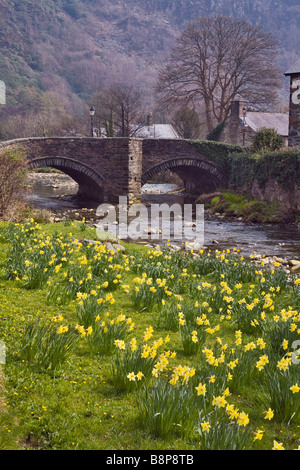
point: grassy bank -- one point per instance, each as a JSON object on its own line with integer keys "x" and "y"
{"x": 235, "y": 205}
{"x": 143, "y": 349}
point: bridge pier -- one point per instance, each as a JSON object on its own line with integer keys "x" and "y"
{"x": 125, "y": 157}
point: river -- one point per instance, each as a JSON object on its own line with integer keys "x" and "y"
{"x": 269, "y": 240}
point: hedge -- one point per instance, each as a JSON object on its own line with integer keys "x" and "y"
{"x": 243, "y": 166}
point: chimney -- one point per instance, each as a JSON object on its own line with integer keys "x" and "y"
{"x": 150, "y": 120}
{"x": 238, "y": 108}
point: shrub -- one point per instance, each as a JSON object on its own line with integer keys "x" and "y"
{"x": 267, "y": 139}
{"x": 12, "y": 182}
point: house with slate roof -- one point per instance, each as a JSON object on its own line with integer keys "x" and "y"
{"x": 151, "y": 130}
{"x": 241, "y": 125}
{"x": 294, "y": 69}
{"x": 157, "y": 131}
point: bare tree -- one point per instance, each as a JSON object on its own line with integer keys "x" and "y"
{"x": 215, "y": 60}
{"x": 186, "y": 122}
{"x": 120, "y": 108}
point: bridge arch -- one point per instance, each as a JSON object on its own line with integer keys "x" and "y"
{"x": 198, "y": 175}
{"x": 90, "y": 183}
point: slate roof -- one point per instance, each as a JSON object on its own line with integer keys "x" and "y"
{"x": 295, "y": 68}
{"x": 278, "y": 121}
{"x": 157, "y": 131}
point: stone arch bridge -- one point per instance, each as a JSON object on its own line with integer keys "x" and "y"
{"x": 108, "y": 168}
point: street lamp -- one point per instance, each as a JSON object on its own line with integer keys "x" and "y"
{"x": 244, "y": 125}
{"x": 92, "y": 113}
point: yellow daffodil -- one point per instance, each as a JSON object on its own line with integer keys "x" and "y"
{"x": 295, "y": 388}
{"x": 277, "y": 446}
{"x": 201, "y": 389}
{"x": 205, "y": 426}
{"x": 269, "y": 414}
{"x": 258, "y": 435}
{"x": 243, "y": 419}
{"x": 131, "y": 376}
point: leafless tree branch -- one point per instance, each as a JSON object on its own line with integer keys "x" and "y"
{"x": 216, "y": 59}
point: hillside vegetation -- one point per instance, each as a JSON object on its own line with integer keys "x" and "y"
{"x": 73, "y": 48}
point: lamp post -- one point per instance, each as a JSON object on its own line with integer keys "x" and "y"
{"x": 92, "y": 113}
{"x": 244, "y": 125}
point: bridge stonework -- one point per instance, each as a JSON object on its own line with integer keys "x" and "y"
{"x": 197, "y": 171}
{"x": 108, "y": 168}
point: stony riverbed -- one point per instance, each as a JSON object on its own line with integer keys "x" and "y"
{"x": 54, "y": 194}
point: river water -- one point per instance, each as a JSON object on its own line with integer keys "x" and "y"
{"x": 270, "y": 240}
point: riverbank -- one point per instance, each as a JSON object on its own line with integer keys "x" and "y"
{"x": 240, "y": 207}
{"x": 251, "y": 242}
{"x": 227, "y": 204}
{"x": 51, "y": 183}
{"x": 224, "y": 229}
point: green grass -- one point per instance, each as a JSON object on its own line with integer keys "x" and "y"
{"x": 81, "y": 404}
{"x": 250, "y": 210}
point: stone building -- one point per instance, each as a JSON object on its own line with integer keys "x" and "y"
{"x": 156, "y": 131}
{"x": 294, "y": 112}
{"x": 241, "y": 125}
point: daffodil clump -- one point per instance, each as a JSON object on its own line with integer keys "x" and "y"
{"x": 48, "y": 345}
{"x": 34, "y": 256}
{"x": 105, "y": 330}
{"x": 135, "y": 363}
{"x": 200, "y": 347}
